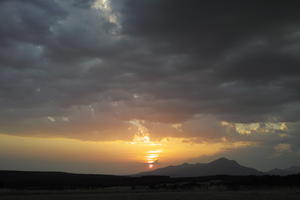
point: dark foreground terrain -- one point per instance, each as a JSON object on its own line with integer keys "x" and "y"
{"x": 20, "y": 180}
{"x": 283, "y": 194}
{"x": 56, "y": 185}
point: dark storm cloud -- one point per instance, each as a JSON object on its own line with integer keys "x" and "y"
{"x": 27, "y": 21}
{"x": 208, "y": 27}
{"x": 69, "y": 69}
{"x": 238, "y": 55}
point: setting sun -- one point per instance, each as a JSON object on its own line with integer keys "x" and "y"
{"x": 151, "y": 166}
{"x": 151, "y": 88}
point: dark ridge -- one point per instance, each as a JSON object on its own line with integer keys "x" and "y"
{"x": 221, "y": 172}
{"x": 59, "y": 181}
{"x": 221, "y": 166}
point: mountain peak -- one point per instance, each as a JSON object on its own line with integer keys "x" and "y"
{"x": 216, "y": 167}
{"x": 223, "y": 160}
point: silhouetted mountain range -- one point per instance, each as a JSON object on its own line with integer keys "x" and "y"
{"x": 222, "y": 166}
{"x": 284, "y": 172}
{"x": 227, "y": 173}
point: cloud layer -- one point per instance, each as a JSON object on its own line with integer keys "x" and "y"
{"x": 202, "y": 70}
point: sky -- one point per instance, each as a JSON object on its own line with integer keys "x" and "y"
{"x": 123, "y": 86}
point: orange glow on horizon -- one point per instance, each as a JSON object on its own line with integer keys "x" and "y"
{"x": 108, "y": 156}
{"x": 151, "y": 156}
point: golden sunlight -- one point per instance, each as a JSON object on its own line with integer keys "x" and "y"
{"x": 142, "y": 137}
{"x": 152, "y": 157}
{"x": 100, "y": 156}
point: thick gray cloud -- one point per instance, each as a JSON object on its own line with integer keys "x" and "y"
{"x": 69, "y": 69}
{"x": 237, "y": 55}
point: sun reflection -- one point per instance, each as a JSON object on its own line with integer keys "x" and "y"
{"x": 142, "y": 137}
{"x": 151, "y": 166}
{"x": 152, "y": 157}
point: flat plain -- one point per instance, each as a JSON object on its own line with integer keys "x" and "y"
{"x": 280, "y": 194}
